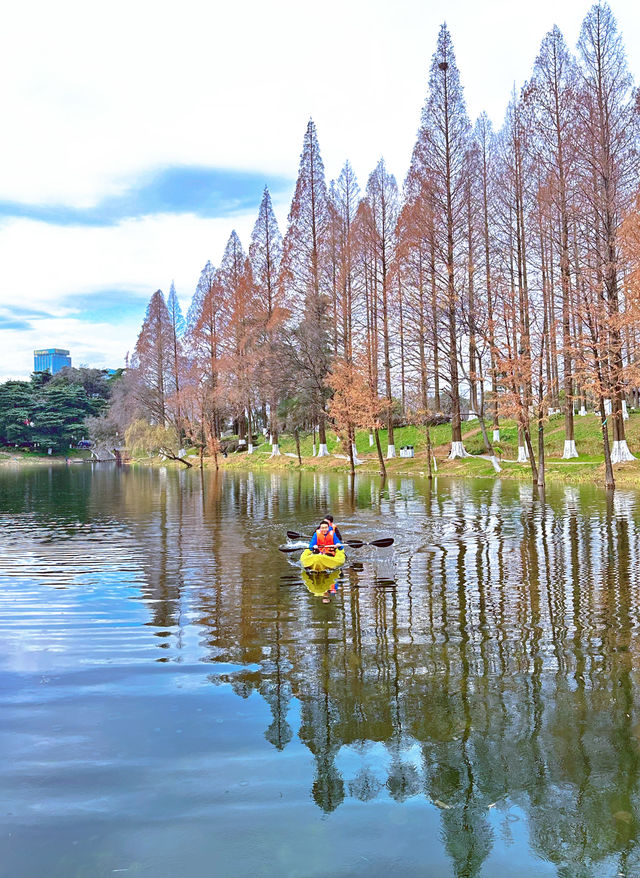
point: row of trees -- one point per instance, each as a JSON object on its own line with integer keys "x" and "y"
{"x": 52, "y": 411}
{"x": 505, "y": 271}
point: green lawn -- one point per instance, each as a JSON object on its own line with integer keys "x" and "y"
{"x": 587, "y": 436}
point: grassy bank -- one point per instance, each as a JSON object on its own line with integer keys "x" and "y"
{"x": 589, "y": 466}
{"x": 74, "y": 455}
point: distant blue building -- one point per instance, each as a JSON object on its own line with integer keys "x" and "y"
{"x": 50, "y": 360}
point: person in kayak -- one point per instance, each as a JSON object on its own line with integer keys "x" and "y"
{"x": 329, "y": 520}
{"x": 324, "y": 540}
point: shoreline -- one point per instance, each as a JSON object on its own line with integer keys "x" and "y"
{"x": 556, "y": 470}
{"x": 559, "y": 471}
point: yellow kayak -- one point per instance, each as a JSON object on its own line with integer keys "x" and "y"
{"x": 322, "y": 563}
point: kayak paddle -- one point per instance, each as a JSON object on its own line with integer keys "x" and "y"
{"x": 383, "y": 543}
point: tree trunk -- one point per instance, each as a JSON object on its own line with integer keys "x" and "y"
{"x": 403, "y": 395}
{"x": 532, "y": 457}
{"x": 383, "y": 469}
{"x": 609, "y": 480}
{"x": 296, "y": 434}
{"x": 540, "y": 478}
{"x": 322, "y": 437}
{"x": 350, "y": 440}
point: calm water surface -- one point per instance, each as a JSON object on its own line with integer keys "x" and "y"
{"x": 176, "y": 700}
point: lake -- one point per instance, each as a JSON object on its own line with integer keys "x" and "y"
{"x": 178, "y": 700}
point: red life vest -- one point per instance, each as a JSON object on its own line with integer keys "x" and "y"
{"x": 325, "y": 542}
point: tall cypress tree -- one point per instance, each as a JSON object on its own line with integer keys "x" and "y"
{"x": 552, "y": 95}
{"x": 178, "y": 328}
{"x": 153, "y": 359}
{"x": 382, "y": 198}
{"x": 235, "y": 283}
{"x": 609, "y": 168}
{"x": 265, "y": 255}
{"x": 206, "y": 321}
{"x": 440, "y": 158}
{"x": 305, "y": 277}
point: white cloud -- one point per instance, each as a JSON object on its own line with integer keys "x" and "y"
{"x": 97, "y": 97}
{"x": 56, "y": 269}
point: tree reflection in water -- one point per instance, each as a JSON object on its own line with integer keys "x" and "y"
{"x": 496, "y": 669}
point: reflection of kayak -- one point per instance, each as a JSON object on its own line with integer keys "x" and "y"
{"x": 320, "y": 563}
{"x": 320, "y": 583}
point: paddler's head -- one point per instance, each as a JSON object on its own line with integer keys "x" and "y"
{"x": 324, "y": 528}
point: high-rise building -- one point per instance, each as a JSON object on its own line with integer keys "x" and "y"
{"x": 50, "y": 360}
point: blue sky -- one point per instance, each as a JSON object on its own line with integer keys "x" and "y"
{"x": 135, "y": 141}
{"x": 200, "y": 191}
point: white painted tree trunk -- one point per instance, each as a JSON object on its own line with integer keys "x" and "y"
{"x": 625, "y": 412}
{"x": 270, "y": 439}
{"x": 496, "y": 436}
{"x": 391, "y": 451}
{"x": 356, "y": 460}
{"x": 275, "y": 451}
{"x": 249, "y": 448}
{"x": 570, "y": 449}
{"x": 458, "y": 450}
{"x": 523, "y": 456}
{"x": 582, "y": 412}
{"x": 607, "y": 406}
{"x": 496, "y": 465}
{"x": 620, "y": 452}
{"x": 471, "y": 416}
{"x": 313, "y": 450}
{"x": 323, "y": 451}
{"x": 370, "y": 440}
{"x": 435, "y": 465}
{"x": 242, "y": 441}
